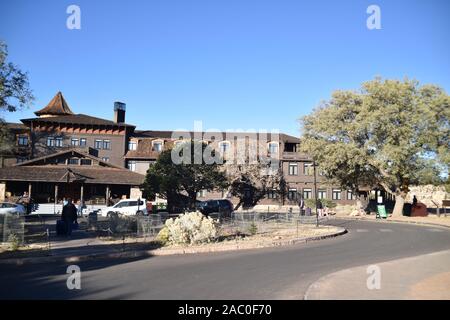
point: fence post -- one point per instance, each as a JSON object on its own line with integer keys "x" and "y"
{"x": 48, "y": 241}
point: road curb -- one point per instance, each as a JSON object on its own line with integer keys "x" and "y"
{"x": 429, "y": 224}
{"x": 158, "y": 252}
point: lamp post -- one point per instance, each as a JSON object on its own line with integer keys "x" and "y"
{"x": 315, "y": 193}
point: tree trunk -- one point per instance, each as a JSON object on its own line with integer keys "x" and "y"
{"x": 238, "y": 205}
{"x": 399, "y": 203}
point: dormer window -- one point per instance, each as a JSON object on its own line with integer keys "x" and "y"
{"x": 157, "y": 146}
{"x": 224, "y": 146}
{"x": 273, "y": 147}
{"x": 132, "y": 145}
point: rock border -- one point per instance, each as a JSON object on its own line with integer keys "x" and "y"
{"x": 166, "y": 252}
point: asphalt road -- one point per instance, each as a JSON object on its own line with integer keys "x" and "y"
{"x": 275, "y": 273}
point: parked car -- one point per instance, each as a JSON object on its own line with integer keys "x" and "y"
{"x": 12, "y": 208}
{"x": 222, "y": 206}
{"x": 128, "y": 207}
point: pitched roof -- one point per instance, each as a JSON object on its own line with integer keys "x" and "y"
{"x": 145, "y": 150}
{"x": 78, "y": 119}
{"x": 72, "y": 151}
{"x": 168, "y": 134}
{"x": 57, "y": 106}
{"x": 86, "y": 174}
{"x": 38, "y": 170}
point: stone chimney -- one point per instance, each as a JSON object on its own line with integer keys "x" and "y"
{"x": 119, "y": 112}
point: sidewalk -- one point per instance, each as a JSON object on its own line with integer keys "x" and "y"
{"x": 422, "y": 277}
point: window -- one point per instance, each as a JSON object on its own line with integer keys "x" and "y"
{"x": 98, "y": 144}
{"x": 272, "y": 194}
{"x": 74, "y": 142}
{"x": 74, "y": 161}
{"x": 308, "y": 169}
{"x": 132, "y": 165}
{"x": 157, "y": 146}
{"x": 350, "y": 195}
{"x": 321, "y": 194}
{"x": 122, "y": 204}
{"x": 293, "y": 168}
{"x": 86, "y": 162}
{"x": 224, "y": 146}
{"x": 23, "y": 140}
{"x": 307, "y": 193}
{"x": 336, "y": 194}
{"x": 132, "y": 145}
{"x": 202, "y": 193}
{"x": 59, "y": 142}
{"x": 273, "y": 147}
{"x": 60, "y": 161}
{"x": 50, "y": 142}
{"x": 106, "y": 144}
{"x": 292, "y": 194}
{"x": 105, "y": 159}
{"x": 82, "y": 142}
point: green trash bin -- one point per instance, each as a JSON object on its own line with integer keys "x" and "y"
{"x": 381, "y": 212}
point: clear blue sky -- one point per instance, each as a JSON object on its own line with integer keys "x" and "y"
{"x": 234, "y": 64}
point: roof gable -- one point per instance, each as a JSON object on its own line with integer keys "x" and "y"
{"x": 69, "y": 153}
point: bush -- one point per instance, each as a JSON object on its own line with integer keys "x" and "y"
{"x": 14, "y": 242}
{"x": 190, "y": 228}
{"x": 253, "y": 229}
{"x": 163, "y": 235}
{"x": 325, "y": 203}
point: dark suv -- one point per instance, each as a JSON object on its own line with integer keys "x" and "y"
{"x": 222, "y": 206}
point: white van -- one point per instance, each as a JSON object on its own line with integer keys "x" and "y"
{"x": 128, "y": 207}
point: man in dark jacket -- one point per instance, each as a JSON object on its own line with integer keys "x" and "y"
{"x": 69, "y": 215}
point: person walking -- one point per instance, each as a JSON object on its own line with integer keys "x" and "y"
{"x": 301, "y": 205}
{"x": 69, "y": 216}
{"x": 319, "y": 208}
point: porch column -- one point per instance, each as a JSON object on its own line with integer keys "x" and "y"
{"x": 82, "y": 193}
{"x": 107, "y": 194}
{"x": 56, "y": 194}
{"x": 2, "y": 190}
{"x": 29, "y": 189}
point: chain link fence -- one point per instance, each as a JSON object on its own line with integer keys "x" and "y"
{"x": 258, "y": 223}
{"x": 149, "y": 226}
{"x": 12, "y": 229}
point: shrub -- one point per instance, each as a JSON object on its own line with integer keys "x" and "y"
{"x": 191, "y": 228}
{"x": 325, "y": 203}
{"x": 253, "y": 229}
{"x": 163, "y": 235}
{"x": 14, "y": 242}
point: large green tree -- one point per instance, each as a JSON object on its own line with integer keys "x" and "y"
{"x": 381, "y": 134}
{"x": 14, "y": 93}
{"x": 250, "y": 183}
{"x": 175, "y": 181}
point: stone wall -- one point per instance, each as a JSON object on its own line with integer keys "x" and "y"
{"x": 428, "y": 194}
